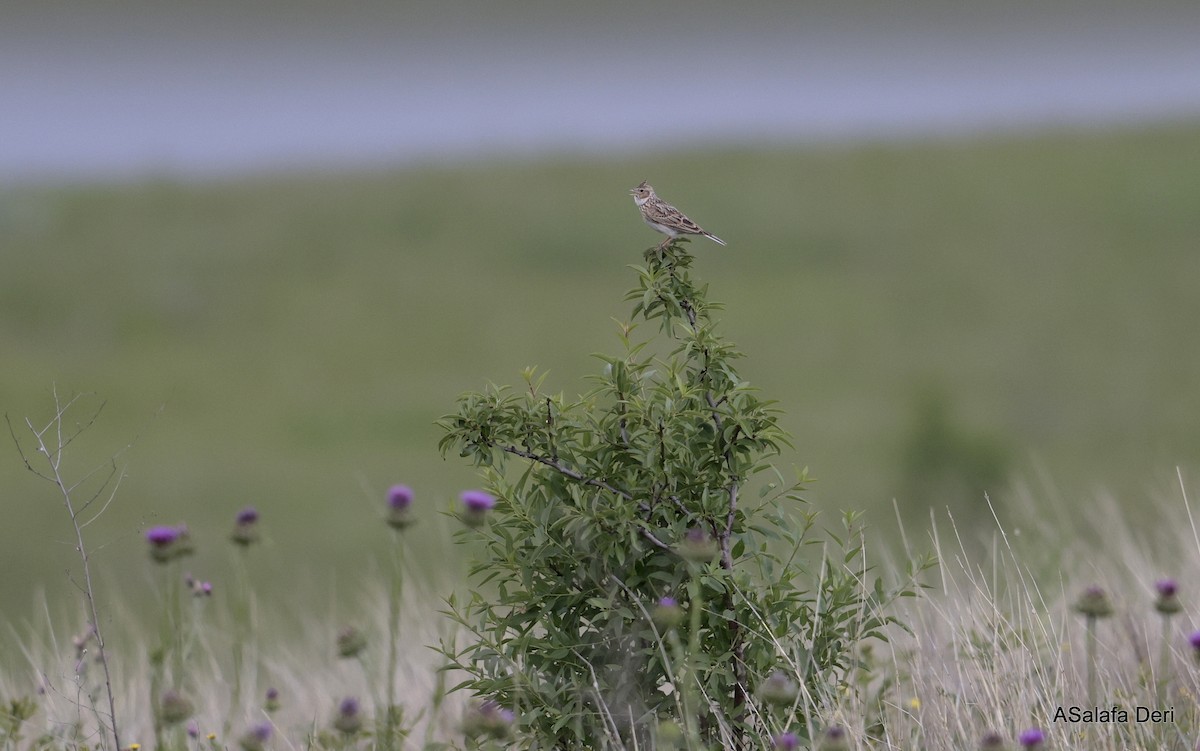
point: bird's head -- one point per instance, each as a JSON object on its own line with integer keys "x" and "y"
{"x": 642, "y": 193}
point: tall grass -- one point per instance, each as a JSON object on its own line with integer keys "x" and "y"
{"x": 997, "y": 645}
{"x": 302, "y": 669}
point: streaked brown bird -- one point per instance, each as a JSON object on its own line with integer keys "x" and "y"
{"x": 665, "y": 218}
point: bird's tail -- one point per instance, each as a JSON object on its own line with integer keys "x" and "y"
{"x": 714, "y": 238}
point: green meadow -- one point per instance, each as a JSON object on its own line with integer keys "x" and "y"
{"x": 937, "y": 320}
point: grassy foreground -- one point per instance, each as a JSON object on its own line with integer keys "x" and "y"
{"x": 998, "y": 648}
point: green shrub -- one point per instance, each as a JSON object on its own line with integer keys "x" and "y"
{"x": 635, "y": 492}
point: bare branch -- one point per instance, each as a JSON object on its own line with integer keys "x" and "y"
{"x": 566, "y": 471}
{"x": 79, "y": 429}
{"x": 655, "y": 541}
{"x": 21, "y": 450}
{"x": 111, "y": 495}
{"x": 53, "y": 457}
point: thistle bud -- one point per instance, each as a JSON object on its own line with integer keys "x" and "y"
{"x": 245, "y": 528}
{"x": 667, "y": 614}
{"x": 698, "y": 546}
{"x": 174, "y": 707}
{"x": 1167, "y": 601}
{"x": 1094, "y": 603}
{"x": 778, "y": 689}
{"x": 669, "y": 734}
{"x": 350, "y": 642}
{"x": 786, "y": 742}
{"x": 487, "y": 718}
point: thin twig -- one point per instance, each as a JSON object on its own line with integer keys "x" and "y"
{"x": 563, "y": 469}
{"x": 54, "y": 461}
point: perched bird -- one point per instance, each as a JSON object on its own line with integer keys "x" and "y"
{"x": 665, "y": 218}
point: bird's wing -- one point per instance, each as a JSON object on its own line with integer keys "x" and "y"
{"x": 669, "y": 216}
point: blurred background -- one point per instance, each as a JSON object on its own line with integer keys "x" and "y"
{"x": 276, "y": 241}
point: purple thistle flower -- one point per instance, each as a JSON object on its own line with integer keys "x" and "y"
{"x": 193, "y": 729}
{"x": 1194, "y": 640}
{"x": 245, "y": 530}
{"x": 1167, "y": 602}
{"x": 476, "y": 505}
{"x": 400, "y": 497}
{"x": 348, "y": 720}
{"x": 1031, "y": 738}
{"x": 160, "y": 537}
{"x": 698, "y": 546}
{"x": 786, "y": 742}
{"x": 667, "y": 613}
{"x": 478, "y": 501}
{"x": 272, "y": 702}
{"x": 399, "y": 500}
{"x": 168, "y": 543}
{"x": 835, "y": 739}
{"x": 255, "y": 739}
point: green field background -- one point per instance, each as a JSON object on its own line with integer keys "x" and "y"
{"x": 936, "y": 319}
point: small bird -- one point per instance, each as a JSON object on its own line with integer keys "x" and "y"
{"x": 665, "y": 218}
